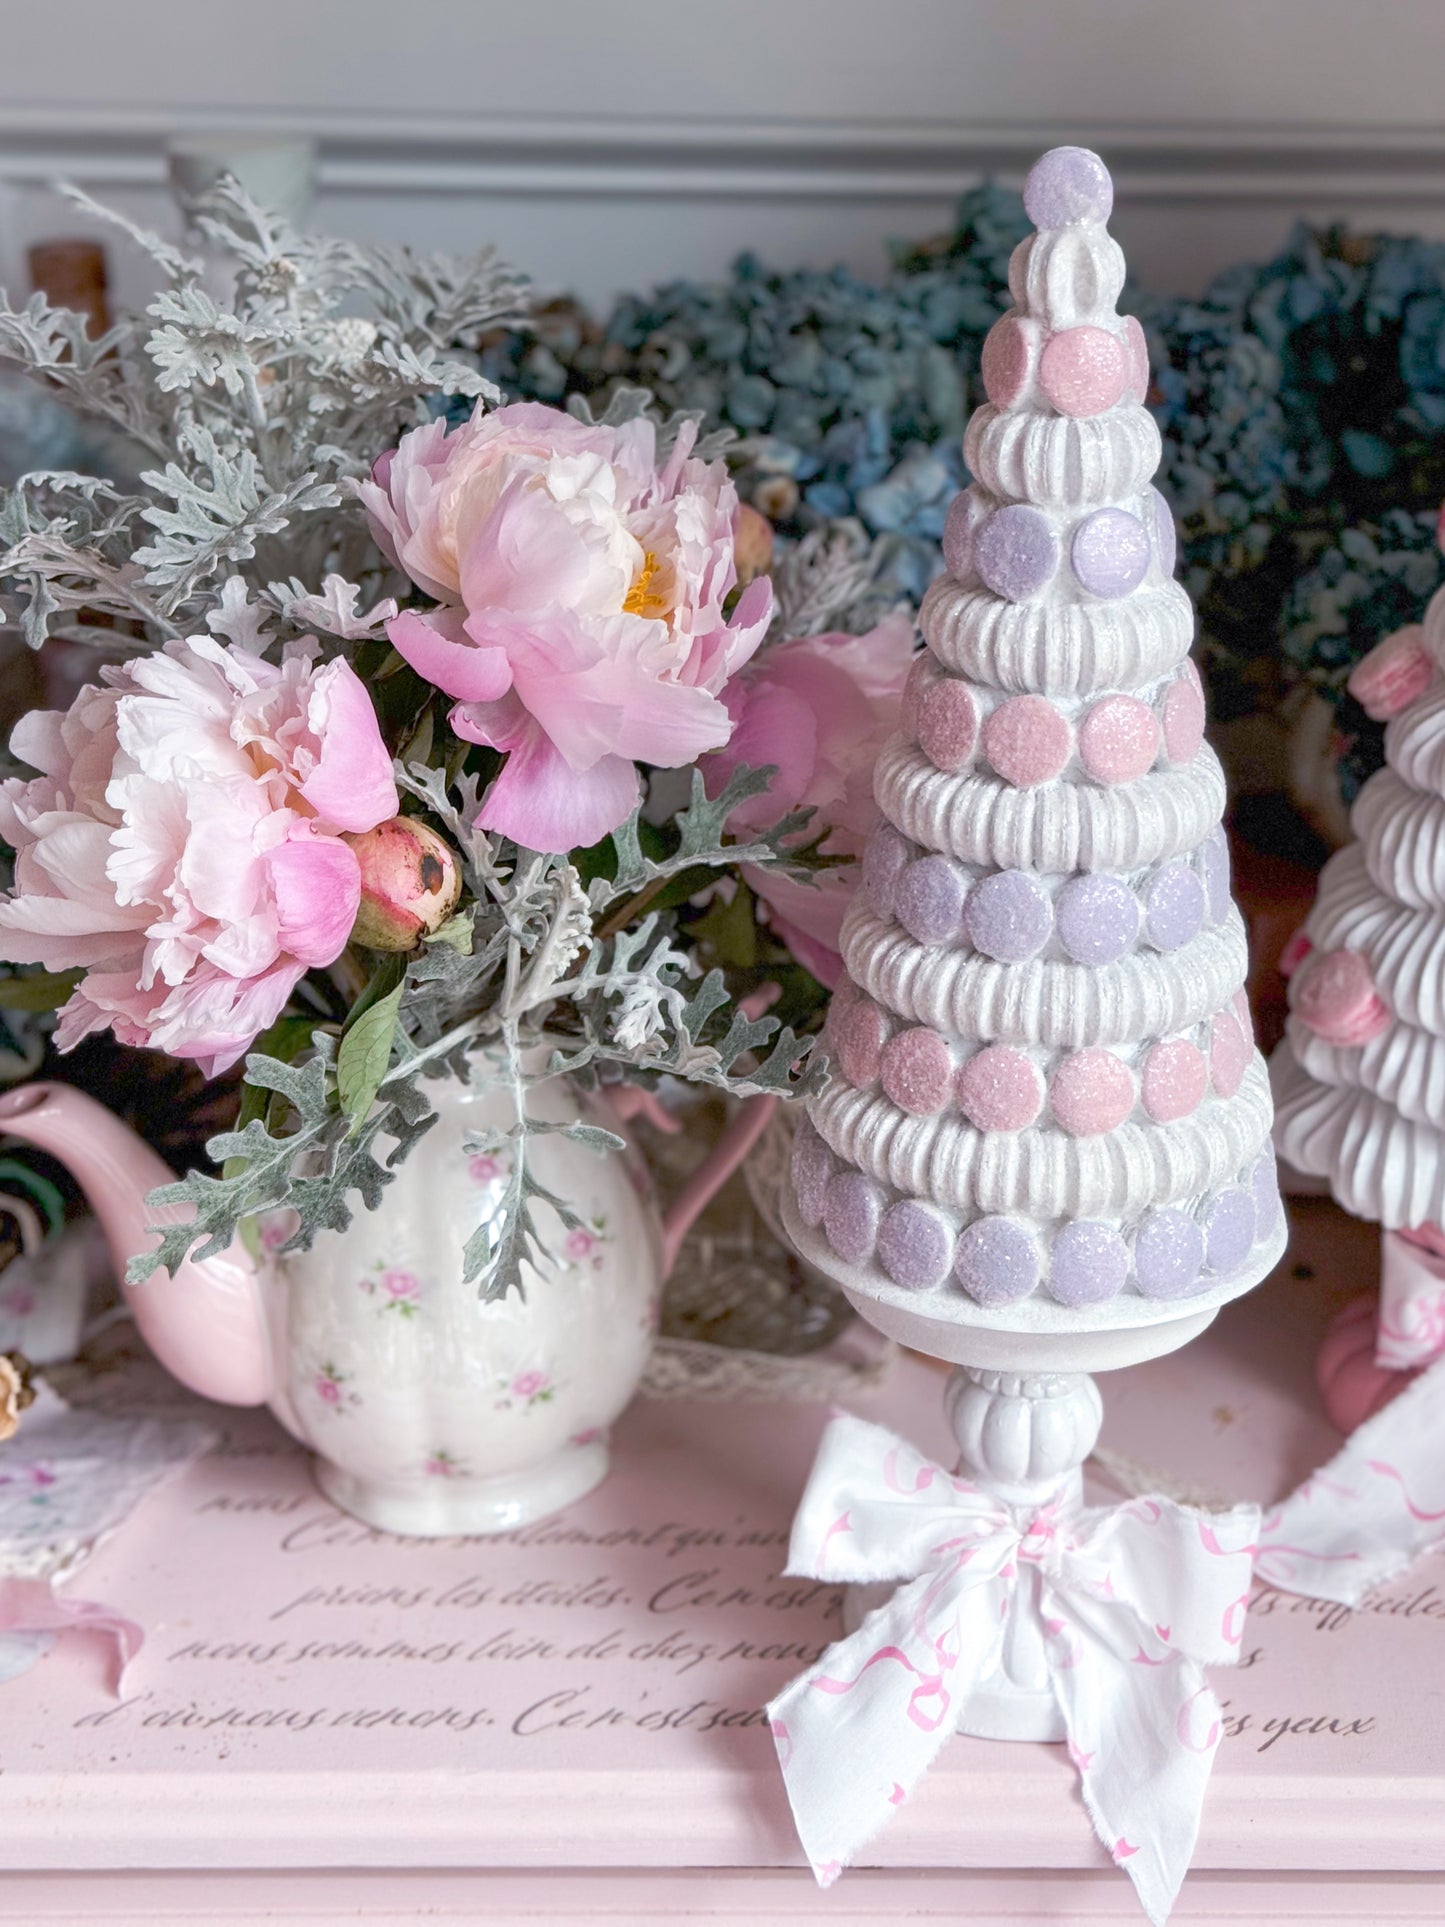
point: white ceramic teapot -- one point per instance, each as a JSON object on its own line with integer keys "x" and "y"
{"x": 429, "y": 1411}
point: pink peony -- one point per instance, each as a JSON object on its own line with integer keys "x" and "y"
{"x": 819, "y": 709}
{"x": 183, "y": 843}
{"x": 582, "y": 625}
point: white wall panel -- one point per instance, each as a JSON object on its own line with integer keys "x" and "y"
{"x": 606, "y": 146}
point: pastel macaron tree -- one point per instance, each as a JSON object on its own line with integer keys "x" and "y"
{"x": 1045, "y": 1147}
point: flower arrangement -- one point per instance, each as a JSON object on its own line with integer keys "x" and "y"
{"x": 412, "y": 747}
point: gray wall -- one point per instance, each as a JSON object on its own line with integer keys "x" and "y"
{"x": 603, "y": 147}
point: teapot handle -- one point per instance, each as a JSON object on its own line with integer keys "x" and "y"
{"x": 742, "y": 1133}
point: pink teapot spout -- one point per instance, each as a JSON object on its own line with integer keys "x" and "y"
{"x": 204, "y": 1323}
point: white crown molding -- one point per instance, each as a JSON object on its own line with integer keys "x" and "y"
{"x": 1301, "y": 166}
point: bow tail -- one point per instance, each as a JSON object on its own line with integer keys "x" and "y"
{"x": 857, "y": 1731}
{"x": 1142, "y": 1734}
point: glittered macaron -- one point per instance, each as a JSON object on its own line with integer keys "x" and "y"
{"x": 1097, "y": 918}
{"x": 1088, "y": 1264}
{"x": 1027, "y": 741}
{"x": 1000, "y": 1089}
{"x": 928, "y": 899}
{"x": 998, "y": 1262}
{"x": 1168, "y": 1254}
{"x": 1118, "y": 739}
{"x": 1066, "y": 186}
{"x": 852, "y": 1213}
{"x": 1084, "y": 371}
{"x": 915, "y": 1245}
{"x": 917, "y": 1071}
{"x": 966, "y": 514}
{"x": 947, "y": 724}
{"x": 1008, "y": 917}
{"x": 1091, "y": 1092}
{"x": 1009, "y": 348}
{"x": 1110, "y": 553}
{"x": 1017, "y": 552}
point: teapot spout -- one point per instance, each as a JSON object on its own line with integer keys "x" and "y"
{"x": 205, "y": 1323}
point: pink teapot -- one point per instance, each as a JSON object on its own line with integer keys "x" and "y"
{"x": 429, "y": 1411}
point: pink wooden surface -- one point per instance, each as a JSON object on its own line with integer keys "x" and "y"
{"x": 586, "y": 1693}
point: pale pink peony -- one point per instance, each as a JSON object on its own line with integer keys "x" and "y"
{"x": 582, "y": 625}
{"x": 819, "y": 709}
{"x": 183, "y": 842}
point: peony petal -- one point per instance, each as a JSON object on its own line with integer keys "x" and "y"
{"x": 352, "y": 787}
{"x": 544, "y": 804}
{"x": 436, "y": 645}
{"x": 317, "y": 884}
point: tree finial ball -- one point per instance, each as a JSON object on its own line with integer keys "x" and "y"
{"x": 1066, "y": 186}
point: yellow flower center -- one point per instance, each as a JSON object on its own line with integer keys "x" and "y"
{"x": 642, "y": 599}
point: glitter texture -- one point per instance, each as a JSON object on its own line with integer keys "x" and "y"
{"x": 1119, "y": 739}
{"x": 1008, "y": 917}
{"x": 1264, "y": 1183}
{"x": 915, "y": 1246}
{"x": 1066, "y": 186}
{"x": 1004, "y": 363}
{"x": 1183, "y": 721}
{"x": 884, "y": 858}
{"x": 1027, "y": 741}
{"x": 1110, "y": 553}
{"x": 852, "y": 1212}
{"x": 917, "y": 1072}
{"x": 1091, "y": 1092}
{"x": 1229, "y": 1053}
{"x": 1168, "y": 1255}
{"x": 997, "y": 1262}
{"x": 1000, "y": 1089}
{"x": 812, "y": 1168}
{"x": 1174, "y": 1080}
{"x": 1174, "y": 907}
{"x": 1016, "y": 553}
{"x": 960, "y": 530}
{"x": 1097, "y": 918}
{"x": 947, "y": 724}
{"x": 1166, "y": 538}
{"x": 1083, "y": 371}
{"x": 1214, "y": 857}
{"x": 1136, "y": 349}
{"x": 928, "y": 899}
{"x": 1229, "y": 1231}
{"x": 860, "y": 1035}
{"x": 1088, "y": 1264}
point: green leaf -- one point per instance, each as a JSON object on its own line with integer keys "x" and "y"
{"x": 37, "y": 990}
{"x": 365, "y": 1056}
{"x": 456, "y": 933}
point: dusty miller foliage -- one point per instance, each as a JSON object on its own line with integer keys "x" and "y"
{"x": 537, "y": 977}
{"x": 247, "y": 417}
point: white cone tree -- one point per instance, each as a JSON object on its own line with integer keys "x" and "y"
{"x": 1047, "y": 1113}
{"x": 1360, "y": 1077}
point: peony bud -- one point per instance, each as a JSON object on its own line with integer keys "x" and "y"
{"x": 752, "y": 543}
{"x": 409, "y": 884}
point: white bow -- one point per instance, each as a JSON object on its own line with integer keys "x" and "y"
{"x": 1377, "y": 1507}
{"x": 1133, "y": 1601}
{"x": 1411, "y": 1327}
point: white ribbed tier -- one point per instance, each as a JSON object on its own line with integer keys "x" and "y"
{"x": 1401, "y": 834}
{"x": 1379, "y": 1164}
{"x": 1403, "y": 1064}
{"x": 1405, "y": 947}
{"x": 1058, "y": 649}
{"x": 1042, "y": 1173}
{"x": 1063, "y": 826}
{"x": 1056, "y": 462}
{"x": 1071, "y": 274}
{"x": 1056, "y": 1005}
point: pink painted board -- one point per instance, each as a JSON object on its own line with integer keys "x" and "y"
{"x": 587, "y": 1693}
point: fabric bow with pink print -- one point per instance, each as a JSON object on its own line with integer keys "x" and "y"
{"x": 1133, "y": 1602}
